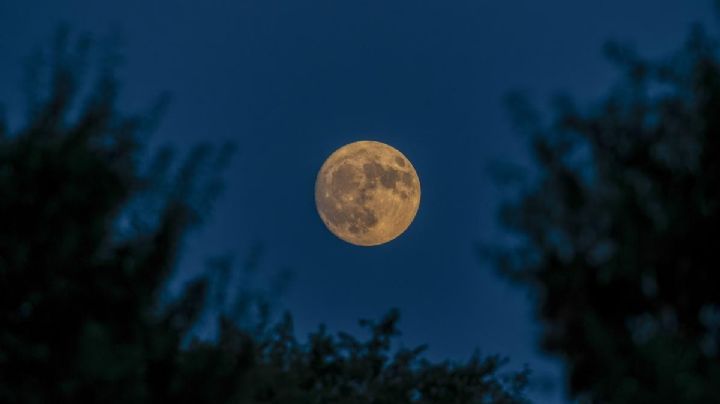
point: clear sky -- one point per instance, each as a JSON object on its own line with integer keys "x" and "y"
{"x": 289, "y": 81}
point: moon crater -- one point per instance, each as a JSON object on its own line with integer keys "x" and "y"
{"x": 367, "y": 193}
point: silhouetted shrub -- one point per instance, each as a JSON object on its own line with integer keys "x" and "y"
{"x": 618, "y": 237}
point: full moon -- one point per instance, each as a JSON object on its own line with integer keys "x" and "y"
{"x": 367, "y": 193}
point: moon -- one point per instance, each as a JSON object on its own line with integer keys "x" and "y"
{"x": 367, "y": 193}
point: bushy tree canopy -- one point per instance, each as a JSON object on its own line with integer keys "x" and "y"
{"x": 618, "y": 237}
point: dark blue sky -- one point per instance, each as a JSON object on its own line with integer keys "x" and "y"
{"x": 291, "y": 81}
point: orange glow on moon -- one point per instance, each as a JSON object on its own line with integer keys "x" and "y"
{"x": 367, "y": 193}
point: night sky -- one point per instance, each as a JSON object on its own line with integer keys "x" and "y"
{"x": 291, "y": 81}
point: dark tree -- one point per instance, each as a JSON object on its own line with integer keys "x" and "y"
{"x": 618, "y": 234}
{"x": 90, "y": 230}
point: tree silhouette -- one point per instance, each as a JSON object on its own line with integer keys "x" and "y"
{"x": 618, "y": 235}
{"x": 89, "y": 233}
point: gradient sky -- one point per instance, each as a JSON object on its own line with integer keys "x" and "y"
{"x": 291, "y": 81}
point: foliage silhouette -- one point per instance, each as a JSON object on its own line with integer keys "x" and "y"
{"x": 88, "y": 237}
{"x": 618, "y": 235}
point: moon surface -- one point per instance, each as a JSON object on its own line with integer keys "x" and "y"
{"x": 367, "y": 193}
